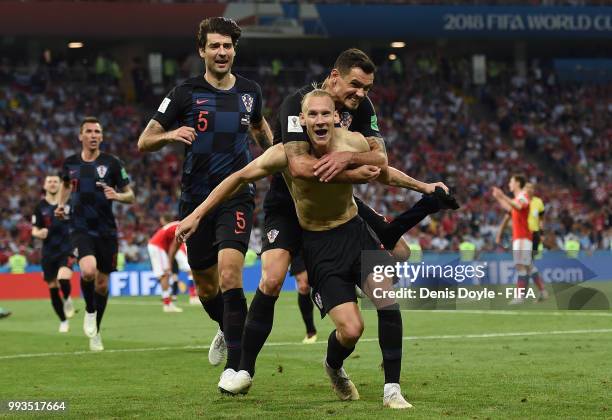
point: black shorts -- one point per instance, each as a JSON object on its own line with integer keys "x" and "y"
{"x": 282, "y": 230}
{"x": 535, "y": 240}
{"x": 103, "y": 248}
{"x": 297, "y": 264}
{"x": 228, "y": 226}
{"x": 333, "y": 261}
{"x": 51, "y": 266}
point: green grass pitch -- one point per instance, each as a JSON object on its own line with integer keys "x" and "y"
{"x": 457, "y": 364}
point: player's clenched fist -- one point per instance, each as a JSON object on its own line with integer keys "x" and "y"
{"x": 183, "y": 134}
{"x": 367, "y": 173}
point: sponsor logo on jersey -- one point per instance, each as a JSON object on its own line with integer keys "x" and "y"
{"x": 374, "y": 123}
{"x": 272, "y": 235}
{"x": 247, "y": 100}
{"x": 293, "y": 124}
{"x": 102, "y": 169}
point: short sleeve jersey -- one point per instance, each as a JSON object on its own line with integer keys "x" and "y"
{"x": 288, "y": 129}
{"x": 57, "y": 242}
{"x": 520, "y": 226}
{"x": 90, "y": 211}
{"x": 164, "y": 236}
{"x": 221, "y": 119}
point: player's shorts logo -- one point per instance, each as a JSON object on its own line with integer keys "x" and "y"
{"x": 247, "y": 100}
{"x": 272, "y": 235}
{"x": 102, "y": 169}
{"x": 318, "y": 301}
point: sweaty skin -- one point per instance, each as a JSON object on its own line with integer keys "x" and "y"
{"x": 323, "y": 206}
{"x": 274, "y": 160}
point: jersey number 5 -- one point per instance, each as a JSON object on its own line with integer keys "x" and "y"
{"x": 202, "y": 121}
{"x": 240, "y": 222}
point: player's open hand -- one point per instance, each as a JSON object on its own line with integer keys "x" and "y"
{"x": 430, "y": 188}
{"x": 329, "y": 165}
{"x": 186, "y": 228}
{"x": 184, "y": 134}
{"x": 496, "y": 192}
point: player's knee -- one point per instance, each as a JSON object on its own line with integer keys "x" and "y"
{"x": 303, "y": 287}
{"x": 230, "y": 277}
{"x": 272, "y": 279}
{"x": 101, "y": 288}
{"x": 53, "y": 284}
{"x": 350, "y": 332}
{"x": 88, "y": 272}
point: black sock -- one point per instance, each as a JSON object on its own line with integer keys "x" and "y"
{"x": 306, "y": 307}
{"x": 214, "y": 308}
{"x": 87, "y": 288}
{"x": 393, "y": 231}
{"x": 390, "y": 332}
{"x": 66, "y": 287}
{"x": 56, "y": 301}
{"x": 256, "y": 329}
{"x": 234, "y": 315}
{"x": 336, "y": 352}
{"x": 175, "y": 288}
{"x": 100, "y": 301}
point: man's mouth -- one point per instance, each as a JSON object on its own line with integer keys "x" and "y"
{"x": 321, "y": 132}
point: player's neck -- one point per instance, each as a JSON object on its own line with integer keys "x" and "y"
{"x": 327, "y": 88}
{"x": 51, "y": 198}
{"x": 90, "y": 155}
{"x": 225, "y": 82}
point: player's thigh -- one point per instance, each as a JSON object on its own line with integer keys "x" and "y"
{"x": 181, "y": 260}
{"x": 50, "y": 268}
{"x": 106, "y": 254}
{"x": 159, "y": 260}
{"x": 274, "y": 266}
{"x": 85, "y": 251}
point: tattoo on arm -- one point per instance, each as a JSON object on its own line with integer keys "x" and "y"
{"x": 377, "y": 143}
{"x": 296, "y": 148}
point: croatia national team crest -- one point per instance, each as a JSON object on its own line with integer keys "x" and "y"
{"x": 102, "y": 169}
{"x": 345, "y": 120}
{"x": 272, "y": 235}
{"x": 247, "y": 100}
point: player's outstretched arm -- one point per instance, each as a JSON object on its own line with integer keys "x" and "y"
{"x": 396, "y": 178}
{"x": 273, "y": 160}
{"x": 154, "y": 137}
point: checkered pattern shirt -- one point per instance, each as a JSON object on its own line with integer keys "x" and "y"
{"x": 90, "y": 211}
{"x": 221, "y": 119}
{"x": 57, "y": 242}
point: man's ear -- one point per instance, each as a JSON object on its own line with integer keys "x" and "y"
{"x": 302, "y": 119}
{"x": 201, "y": 52}
{"x": 336, "y": 117}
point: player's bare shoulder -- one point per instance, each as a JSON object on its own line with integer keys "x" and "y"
{"x": 351, "y": 141}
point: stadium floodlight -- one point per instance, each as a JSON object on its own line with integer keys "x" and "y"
{"x": 398, "y": 44}
{"x": 392, "y": 57}
{"x": 75, "y": 45}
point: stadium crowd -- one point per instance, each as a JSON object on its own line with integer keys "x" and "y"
{"x": 436, "y": 124}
